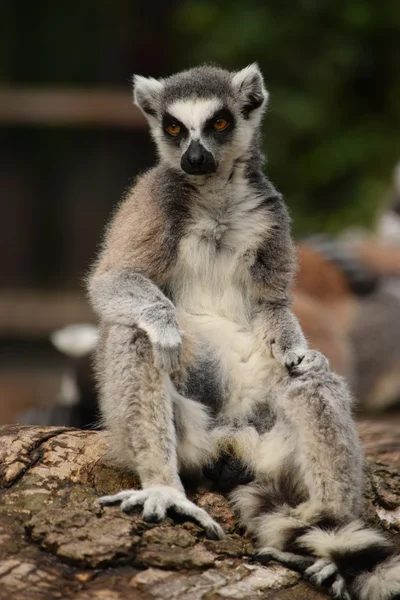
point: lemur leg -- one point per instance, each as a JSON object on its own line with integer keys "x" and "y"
{"x": 138, "y": 412}
{"x": 318, "y": 406}
{"x": 308, "y": 471}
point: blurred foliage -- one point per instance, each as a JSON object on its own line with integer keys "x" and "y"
{"x": 332, "y": 132}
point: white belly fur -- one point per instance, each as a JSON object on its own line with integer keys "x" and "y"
{"x": 246, "y": 365}
{"x": 245, "y": 362}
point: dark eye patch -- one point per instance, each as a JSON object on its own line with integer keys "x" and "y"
{"x": 168, "y": 119}
{"x": 224, "y": 134}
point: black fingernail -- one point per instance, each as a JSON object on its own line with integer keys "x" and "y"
{"x": 153, "y": 518}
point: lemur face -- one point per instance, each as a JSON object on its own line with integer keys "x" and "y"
{"x": 199, "y": 127}
{"x": 203, "y": 119}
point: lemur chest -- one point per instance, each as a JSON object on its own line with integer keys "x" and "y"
{"x": 217, "y": 249}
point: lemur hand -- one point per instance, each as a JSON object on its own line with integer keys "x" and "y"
{"x": 157, "y": 500}
{"x": 312, "y": 361}
{"x": 160, "y": 322}
{"x": 167, "y": 349}
{"x": 299, "y": 360}
{"x": 288, "y": 358}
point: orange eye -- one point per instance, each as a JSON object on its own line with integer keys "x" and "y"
{"x": 173, "y": 129}
{"x": 220, "y": 124}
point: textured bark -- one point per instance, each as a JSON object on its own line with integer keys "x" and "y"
{"x": 55, "y": 542}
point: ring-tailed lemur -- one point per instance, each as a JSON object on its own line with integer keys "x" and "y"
{"x": 201, "y": 364}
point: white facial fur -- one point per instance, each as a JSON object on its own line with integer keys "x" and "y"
{"x": 194, "y": 112}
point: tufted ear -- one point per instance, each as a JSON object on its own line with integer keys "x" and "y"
{"x": 249, "y": 85}
{"x": 147, "y": 93}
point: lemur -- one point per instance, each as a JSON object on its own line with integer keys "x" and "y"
{"x": 203, "y": 368}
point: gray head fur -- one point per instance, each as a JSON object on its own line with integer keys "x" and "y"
{"x": 214, "y": 116}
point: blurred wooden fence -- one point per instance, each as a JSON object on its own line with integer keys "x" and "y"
{"x": 56, "y": 195}
{"x": 86, "y": 107}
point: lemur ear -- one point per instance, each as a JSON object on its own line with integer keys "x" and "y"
{"x": 249, "y": 84}
{"x": 147, "y": 93}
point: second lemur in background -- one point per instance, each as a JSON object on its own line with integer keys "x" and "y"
{"x": 201, "y": 364}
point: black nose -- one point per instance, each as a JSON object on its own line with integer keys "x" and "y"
{"x": 197, "y": 160}
{"x": 195, "y": 155}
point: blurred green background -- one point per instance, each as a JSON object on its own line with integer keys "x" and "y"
{"x": 332, "y": 131}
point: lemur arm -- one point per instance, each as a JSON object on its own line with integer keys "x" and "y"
{"x": 272, "y": 274}
{"x": 124, "y": 286}
{"x": 281, "y": 331}
{"x": 129, "y": 298}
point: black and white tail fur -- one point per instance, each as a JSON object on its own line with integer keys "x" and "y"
{"x": 354, "y": 561}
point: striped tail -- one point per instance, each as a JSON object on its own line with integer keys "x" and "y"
{"x": 364, "y": 558}
{"x": 354, "y": 561}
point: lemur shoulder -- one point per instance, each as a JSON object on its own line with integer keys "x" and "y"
{"x": 202, "y": 366}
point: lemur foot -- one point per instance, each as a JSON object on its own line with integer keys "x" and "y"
{"x": 320, "y": 572}
{"x": 338, "y": 589}
{"x": 157, "y": 500}
{"x": 324, "y": 573}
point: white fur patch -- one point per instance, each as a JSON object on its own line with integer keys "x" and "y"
{"x": 69, "y": 393}
{"x": 272, "y": 529}
{"x": 275, "y": 447}
{"x": 194, "y": 112}
{"x": 389, "y": 228}
{"x": 350, "y": 538}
